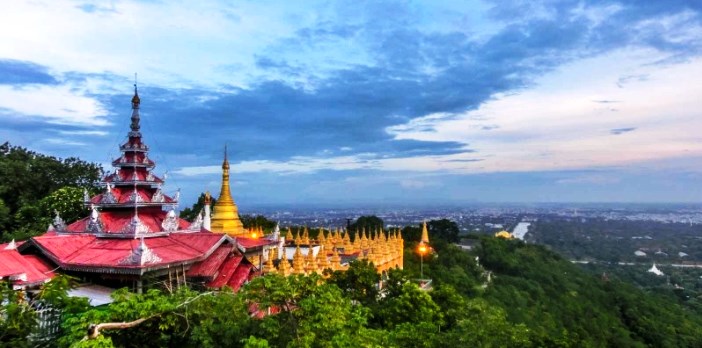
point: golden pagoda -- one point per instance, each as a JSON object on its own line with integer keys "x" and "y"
{"x": 226, "y": 214}
{"x": 503, "y": 234}
{"x": 425, "y": 233}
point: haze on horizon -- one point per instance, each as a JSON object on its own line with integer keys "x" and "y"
{"x": 395, "y": 102}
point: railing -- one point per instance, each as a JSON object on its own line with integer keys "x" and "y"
{"x": 48, "y": 325}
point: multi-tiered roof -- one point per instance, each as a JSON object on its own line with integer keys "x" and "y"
{"x": 133, "y": 202}
{"x": 132, "y": 227}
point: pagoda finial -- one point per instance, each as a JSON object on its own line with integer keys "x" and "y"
{"x": 135, "y": 113}
{"x": 225, "y": 163}
{"x": 425, "y": 233}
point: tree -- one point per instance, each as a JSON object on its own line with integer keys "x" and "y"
{"x": 191, "y": 213}
{"x": 257, "y": 221}
{"x": 444, "y": 229}
{"x": 359, "y": 282}
{"x": 26, "y": 177}
{"x": 67, "y": 201}
{"x": 371, "y": 222}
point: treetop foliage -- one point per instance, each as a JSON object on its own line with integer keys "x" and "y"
{"x": 33, "y": 185}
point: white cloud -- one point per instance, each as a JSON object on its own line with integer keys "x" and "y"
{"x": 564, "y": 122}
{"x": 168, "y": 43}
{"x": 59, "y": 105}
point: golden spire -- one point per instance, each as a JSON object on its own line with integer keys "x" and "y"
{"x": 306, "y": 236}
{"x": 298, "y": 261}
{"x": 226, "y": 214}
{"x": 320, "y": 236}
{"x": 268, "y": 266}
{"x": 288, "y": 235}
{"x": 322, "y": 262}
{"x": 335, "y": 261}
{"x": 425, "y": 233}
{"x": 311, "y": 265}
{"x": 297, "y": 237}
{"x": 329, "y": 240}
{"x": 284, "y": 265}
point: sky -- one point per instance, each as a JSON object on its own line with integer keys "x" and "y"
{"x": 353, "y": 103}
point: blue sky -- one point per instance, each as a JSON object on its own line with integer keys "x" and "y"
{"x": 368, "y": 103}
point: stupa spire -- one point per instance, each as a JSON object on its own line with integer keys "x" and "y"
{"x": 226, "y": 213}
{"x": 135, "y": 113}
{"x": 425, "y": 233}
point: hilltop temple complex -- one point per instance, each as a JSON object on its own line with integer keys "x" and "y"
{"x": 133, "y": 237}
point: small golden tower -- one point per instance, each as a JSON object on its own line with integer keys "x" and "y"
{"x": 311, "y": 265}
{"x": 298, "y": 261}
{"x": 284, "y": 265}
{"x": 425, "y": 233}
{"x": 306, "y": 237}
{"x": 268, "y": 267}
{"x": 322, "y": 261}
{"x": 226, "y": 214}
{"x": 335, "y": 261}
{"x": 320, "y": 237}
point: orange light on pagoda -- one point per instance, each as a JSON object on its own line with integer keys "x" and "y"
{"x": 422, "y": 249}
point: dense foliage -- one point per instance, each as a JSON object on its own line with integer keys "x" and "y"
{"x": 33, "y": 185}
{"x": 514, "y": 294}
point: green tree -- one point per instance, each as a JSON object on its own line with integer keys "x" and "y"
{"x": 359, "y": 282}
{"x": 26, "y": 177}
{"x": 443, "y": 229}
{"x": 191, "y": 213}
{"x": 257, "y": 221}
{"x": 408, "y": 304}
{"x": 371, "y": 222}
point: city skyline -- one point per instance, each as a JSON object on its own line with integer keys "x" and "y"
{"x": 351, "y": 103}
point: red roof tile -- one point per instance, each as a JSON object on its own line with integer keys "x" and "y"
{"x": 88, "y": 251}
{"x": 226, "y": 271}
{"x": 210, "y": 266}
{"x": 34, "y": 271}
{"x": 240, "y": 276}
{"x": 114, "y": 221}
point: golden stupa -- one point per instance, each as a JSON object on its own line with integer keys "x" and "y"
{"x": 226, "y": 214}
{"x": 503, "y": 234}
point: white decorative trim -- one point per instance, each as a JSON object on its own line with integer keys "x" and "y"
{"x": 136, "y": 226}
{"x": 170, "y": 223}
{"x": 197, "y": 224}
{"x": 158, "y": 196}
{"x": 11, "y": 245}
{"x": 140, "y": 255}
{"x": 135, "y": 197}
{"x": 108, "y": 197}
{"x": 95, "y": 223}
{"x": 58, "y": 222}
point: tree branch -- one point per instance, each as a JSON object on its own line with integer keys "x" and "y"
{"x": 94, "y": 329}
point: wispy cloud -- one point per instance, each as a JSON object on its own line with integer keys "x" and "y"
{"x": 617, "y": 131}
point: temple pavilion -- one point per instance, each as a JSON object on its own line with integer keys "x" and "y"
{"x": 133, "y": 235}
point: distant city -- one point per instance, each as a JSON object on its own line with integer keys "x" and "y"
{"x": 484, "y": 218}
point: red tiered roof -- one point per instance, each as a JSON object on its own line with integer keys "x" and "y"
{"x": 210, "y": 266}
{"x": 240, "y": 276}
{"x": 90, "y": 253}
{"x": 30, "y": 268}
{"x": 123, "y": 195}
{"x": 226, "y": 271}
{"x": 114, "y": 221}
